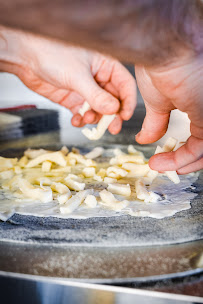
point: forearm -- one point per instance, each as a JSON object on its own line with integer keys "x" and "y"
{"x": 139, "y": 31}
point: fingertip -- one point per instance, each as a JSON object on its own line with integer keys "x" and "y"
{"x": 163, "y": 162}
{"x": 76, "y": 120}
{"x": 126, "y": 115}
{"x": 153, "y": 162}
{"x": 116, "y": 125}
{"x": 89, "y": 117}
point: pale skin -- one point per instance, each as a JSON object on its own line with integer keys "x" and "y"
{"x": 68, "y": 75}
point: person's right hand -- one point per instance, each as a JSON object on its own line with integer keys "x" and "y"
{"x": 69, "y": 76}
{"x": 175, "y": 86}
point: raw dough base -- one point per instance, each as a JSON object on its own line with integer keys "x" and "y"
{"x": 174, "y": 199}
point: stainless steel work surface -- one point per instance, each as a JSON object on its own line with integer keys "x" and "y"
{"x": 34, "y": 289}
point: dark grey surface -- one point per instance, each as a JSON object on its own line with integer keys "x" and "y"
{"x": 119, "y": 231}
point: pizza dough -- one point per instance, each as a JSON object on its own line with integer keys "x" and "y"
{"x": 70, "y": 185}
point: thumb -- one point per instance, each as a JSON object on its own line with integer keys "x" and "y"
{"x": 154, "y": 126}
{"x": 99, "y": 100}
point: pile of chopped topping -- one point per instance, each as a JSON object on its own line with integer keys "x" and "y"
{"x": 71, "y": 179}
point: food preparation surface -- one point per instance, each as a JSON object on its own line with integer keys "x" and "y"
{"x": 113, "y": 231}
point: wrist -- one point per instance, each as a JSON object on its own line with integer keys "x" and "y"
{"x": 11, "y": 50}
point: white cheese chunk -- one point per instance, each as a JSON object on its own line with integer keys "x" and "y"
{"x": 173, "y": 176}
{"x": 143, "y": 194}
{"x": 60, "y": 188}
{"x": 96, "y": 152}
{"x": 74, "y": 202}
{"x": 169, "y": 144}
{"x": 119, "y": 189}
{"x": 80, "y": 159}
{"x": 110, "y": 202}
{"x": 136, "y": 170}
{"x": 91, "y": 201}
{"x": 110, "y": 180}
{"x": 7, "y": 163}
{"x": 118, "y": 151}
{"x": 55, "y": 157}
{"x": 7, "y": 174}
{"x": 126, "y": 158}
{"x": 33, "y": 153}
{"x": 88, "y": 172}
{"x": 74, "y": 185}
{"x": 97, "y": 133}
{"x": 85, "y": 107}
{"x": 44, "y": 195}
{"x": 116, "y": 172}
{"x": 63, "y": 198}
{"x": 64, "y": 150}
{"x": 23, "y": 161}
{"x": 97, "y": 178}
{"x": 46, "y": 166}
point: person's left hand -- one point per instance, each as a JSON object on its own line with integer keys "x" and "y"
{"x": 69, "y": 76}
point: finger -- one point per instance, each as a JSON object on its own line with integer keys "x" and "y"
{"x": 189, "y": 153}
{"x": 154, "y": 126}
{"x": 76, "y": 120}
{"x": 196, "y": 166}
{"x": 125, "y": 84}
{"x": 71, "y": 99}
{"x": 96, "y": 120}
{"x": 89, "y": 117}
{"x": 111, "y": 89}
{"x": 98, "y": 99}
{"x": 116, "y": 125}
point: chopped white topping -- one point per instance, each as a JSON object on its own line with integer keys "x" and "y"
{"x": 74, "y": 185}
{"x": 136, "y": 170}
{"x": 173, "y": 176}
{"x": 55, "y": 157}
{"x": 120, "y": 189}
{"x": 116, "y": 172}
{"x": 85, "y": 107}
{"x": 143, "y": 194}
{"x": 126, "y": 158}
{"x": 46, "y": 166}
{"x": 118, "y": 151}
{"x": 33, "y": 153}
{"x": 7, "y": 163}
{"x": 110, "y": 180}
{"x": 96, "y": 152}
{"x": 97, "y": 133}
{"x": 98, "y": 178}
{"x": 88, "y": 172}
{"x": 169, "y": 144}
{"x": 44, "y": 195}
{"x": 60, "y": 188}
{"x": 91, "y": 201}
{"x": 7, "y": 174}
{"x": 64, "y": 150}
{"x": 74, "y": 202}
{"x": 63, "y": 198}
{"x": 109, "y": 201}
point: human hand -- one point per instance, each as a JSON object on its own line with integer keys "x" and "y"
{"x": 69, "y": 76}
{"x": 174, "y": 86}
